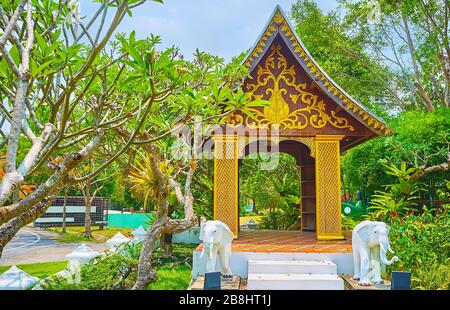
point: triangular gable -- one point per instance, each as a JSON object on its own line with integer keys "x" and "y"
{"x": 280, "y": 25}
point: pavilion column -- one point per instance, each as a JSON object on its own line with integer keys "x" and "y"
{"x": 328, "y": 187}
{"x": 226, "y": 178}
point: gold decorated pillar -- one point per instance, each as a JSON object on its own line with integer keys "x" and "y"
{"x": 226, "y": 195}
{"x": 328, "y": 187}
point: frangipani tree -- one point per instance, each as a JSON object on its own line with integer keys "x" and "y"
{"x": 68, "y": 89}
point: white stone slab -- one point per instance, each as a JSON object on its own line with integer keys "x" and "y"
{"x": 54, "y": 220}
{"x": 292, "y": 266}
{"x": 69, "y": 209}
{"x": 294, "y": 282}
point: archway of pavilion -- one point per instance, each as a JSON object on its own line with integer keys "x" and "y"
{"x": 305, "y": 163}
{"x": 308, "y": 116}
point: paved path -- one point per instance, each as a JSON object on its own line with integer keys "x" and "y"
{"x": 35, "y": 246}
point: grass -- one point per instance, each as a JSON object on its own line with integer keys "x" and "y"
{"x": 76, "y": 234}
{"x": 40, "y": 270}
{"x": 174, "y": 273}
{"x": 172, "y": 278}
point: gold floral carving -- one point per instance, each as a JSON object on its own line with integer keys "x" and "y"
{"x": 278, "y": 17}
{"x": 331, "y": 87}
{"x": 279, "y": 24}
{"x": 310, "y": 110}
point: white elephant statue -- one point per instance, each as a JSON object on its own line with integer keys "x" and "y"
{"x": 370, "y": 241}
{"x": 217, "y": 238}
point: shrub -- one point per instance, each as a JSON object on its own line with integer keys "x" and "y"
{"x": 422, "y": 242}
{"x": 415, "y": 132}
{"x": 348, "y": 223}
{"x": 107, "y": 272}
{"x": 434, "y": 277}
{"x": 119, "y": 270}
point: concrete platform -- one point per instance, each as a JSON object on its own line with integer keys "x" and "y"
{"x": 267, "y": 245}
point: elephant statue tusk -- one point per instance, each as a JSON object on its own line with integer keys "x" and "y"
{"x": 383, "y": 256}
{"x": 390, "y": 249}
{"x": 203, "y": 251}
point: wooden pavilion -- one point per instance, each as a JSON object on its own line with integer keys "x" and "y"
{"x": 314, "y": 119}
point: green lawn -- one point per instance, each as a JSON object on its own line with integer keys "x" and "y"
{"x": 172, "y": 278}
{"x": 75, "y": 234}
{"x": 40, "y": 270}
{"x": 174, "y": 273}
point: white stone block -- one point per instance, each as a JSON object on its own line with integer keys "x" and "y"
{"x": 293, "y": 266}
{"x": 139, "y": 234}
{"x": 117, "y": 242}
{"x": 81, "y": 255}
{"x": 16, "y": 279}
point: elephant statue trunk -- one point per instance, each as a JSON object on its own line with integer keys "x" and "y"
{"x": 383, "y": 258}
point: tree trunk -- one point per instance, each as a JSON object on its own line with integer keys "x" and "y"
{"x": 255, "y": 210}
{"x": 421, "y": 172}
{"x": 146, "y": 273}
{"x": 418, "y": 81}
{"x": 64, "y": 212}
{"x": 166, "y": 245}
{"x": 88, "y": 202}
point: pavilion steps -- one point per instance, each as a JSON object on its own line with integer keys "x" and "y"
{"x": 293, "y": 275}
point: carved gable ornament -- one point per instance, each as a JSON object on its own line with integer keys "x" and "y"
{"x": 302, "y": 98}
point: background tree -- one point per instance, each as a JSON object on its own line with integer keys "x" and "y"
{"x": 397, "y": 62}
{"x": 276, "y": 193}
{"x": 420, "y": 139}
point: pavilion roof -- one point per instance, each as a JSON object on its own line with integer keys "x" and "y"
{"x": 279, "y": 24}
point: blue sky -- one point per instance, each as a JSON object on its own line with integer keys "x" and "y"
{"x": 222, "y": 27}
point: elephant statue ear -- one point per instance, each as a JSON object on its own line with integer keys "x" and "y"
{"x": 363, "y": 231}
{"x": 202, "y": 232}
{"x": 227, "y": 235}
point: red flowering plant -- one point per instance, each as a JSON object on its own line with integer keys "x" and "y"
{"x": 422, "y": 242}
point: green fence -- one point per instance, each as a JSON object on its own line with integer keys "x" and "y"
{"x": 127, "y": 220}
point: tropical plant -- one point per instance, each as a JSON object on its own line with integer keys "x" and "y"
{"x": 400, "y": 196}
{"x": 420, "y": 139}
{"x": 143, "y": 179}
{"x": 348, "y": 223}
{"x": 69, "y": 90}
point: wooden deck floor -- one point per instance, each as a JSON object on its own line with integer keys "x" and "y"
{"x": 266, "y": 241}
